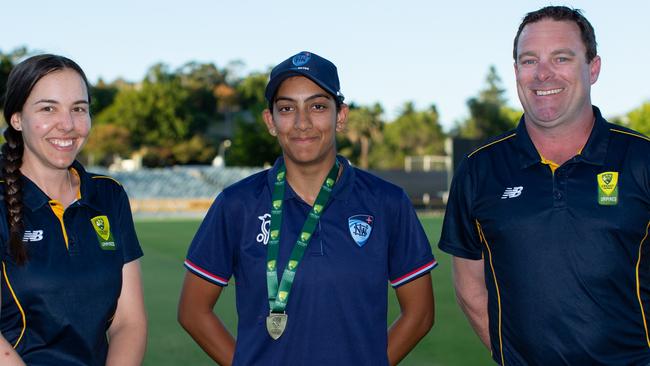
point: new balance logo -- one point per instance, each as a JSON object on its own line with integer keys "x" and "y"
{"x": 512, "y": 192}
{"x": 33, "y": 235}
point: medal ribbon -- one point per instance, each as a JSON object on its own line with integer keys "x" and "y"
{"x": 278, "y": 296}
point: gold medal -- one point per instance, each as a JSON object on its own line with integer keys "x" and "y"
{"x": 275, "y": 324}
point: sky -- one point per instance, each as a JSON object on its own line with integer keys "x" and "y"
{"x": 391, "y": 52}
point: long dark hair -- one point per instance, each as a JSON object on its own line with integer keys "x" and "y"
{"x": 20, "y": 83}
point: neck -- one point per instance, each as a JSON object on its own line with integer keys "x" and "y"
{"x": 60, "y": 184}
{"x": 306, "y": 179}
{"x": 561, "y": 143}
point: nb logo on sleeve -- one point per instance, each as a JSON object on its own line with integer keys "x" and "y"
{"x": 33, "y": 235}
{"x": 512, "y": 192}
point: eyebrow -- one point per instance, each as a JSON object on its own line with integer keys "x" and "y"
{"x": 319, "y": 95}
{"x": 567, "y": 51}
{"x": 52, "y": 101}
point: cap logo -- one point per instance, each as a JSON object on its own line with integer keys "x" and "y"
{"x": 301, "y": 58}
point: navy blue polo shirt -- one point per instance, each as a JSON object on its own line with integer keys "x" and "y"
{"x": 338, "y": 305}
{"x": 57, "y": 307}
{"x": 566, "y": 264}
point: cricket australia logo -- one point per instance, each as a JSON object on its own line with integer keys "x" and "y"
{"x": 360, "y": 228}
{"x": 103, "y": 229}
{"x": 607, "y": 188}
{"x": 33, "y": 235}
{"x": 512, "y": 192}
{"x": 263, "y": 236}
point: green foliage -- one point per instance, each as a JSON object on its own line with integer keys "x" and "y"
{"x": 364, "y": 129}
{"x": 196, "y": 150}
{"x": 106, "y": 141}
{"x": 489, "y": 114}
{"x": 102, "y": 95}
{"x": 412, "y": 133}
{"x": 639, "y": 119}
{"x": 252, "y": 145}
{"x": 7, "y": 62}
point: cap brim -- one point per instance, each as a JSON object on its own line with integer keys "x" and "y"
{"x": 274, "y": 84}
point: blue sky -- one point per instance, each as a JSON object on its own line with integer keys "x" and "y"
{"x": 429, "y": 52}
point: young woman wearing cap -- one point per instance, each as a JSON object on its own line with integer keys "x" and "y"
{"x": 312, "y": 243}
{"x": 70, "y": 287}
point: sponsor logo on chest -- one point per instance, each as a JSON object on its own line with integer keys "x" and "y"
{"x": 512, "y": 192}
{"x": 263, "y": 236}
{"x": 32, "y": 235}
{"x": 103, "y": 229}
{"x": 607, "y": 188}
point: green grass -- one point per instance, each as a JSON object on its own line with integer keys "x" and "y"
{"x": 450, "y": 342}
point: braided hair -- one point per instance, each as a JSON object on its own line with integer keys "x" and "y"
{"x": 21, "y": 81}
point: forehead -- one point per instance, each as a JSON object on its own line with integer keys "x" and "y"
{"x": 299, "y": 85}
{"x": 550, "y": 34}
{"x": 60, "y": 84}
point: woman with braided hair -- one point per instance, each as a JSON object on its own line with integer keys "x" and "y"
{"x": 71, "y": 291}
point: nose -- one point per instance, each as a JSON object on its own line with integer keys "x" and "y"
{"x": 303, "y": 121}
{"x": 66, "y": 122}
{"x": 544, "y": 71}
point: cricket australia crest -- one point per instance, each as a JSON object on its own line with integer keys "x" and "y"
{"x": 103, "y": 229}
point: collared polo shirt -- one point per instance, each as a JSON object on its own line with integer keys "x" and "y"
{"x": 57, "y": 307}
{"x": 337, "y": 309}
{"x": 566, "y": 266}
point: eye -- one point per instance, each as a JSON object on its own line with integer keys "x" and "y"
{"x": 319, "y": 107}
{"x": 47, "y": 108}
{"x": 562, "y": 59}
{"x": 79, "y": 109}
{"x": 529, "y": 61}
{"x": 284, "y": 108}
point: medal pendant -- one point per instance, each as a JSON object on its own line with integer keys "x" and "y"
{"x": 275, "y": 324}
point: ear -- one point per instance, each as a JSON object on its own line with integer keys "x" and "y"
{"x": 342, "y": 117}
{"x": 268, "y": 120}
{"x": 16, "y": 121}
{"x": 594, "y": 69}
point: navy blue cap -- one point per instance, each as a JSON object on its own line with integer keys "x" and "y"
{"x": 310, "y": 65}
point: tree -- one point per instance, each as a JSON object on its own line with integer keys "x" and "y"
{"x": 413, "y": 133}
{"x": 154, "y": 112}
{"x": 106, "y": 141}
{"x": 7, "y": 62}
{"x": 639, "y": 119}
{"x": 252, "y": 145}
{"x": 102, "y": 95}
{"x": 489, "y": 114}
{"x": 364, "y": 126}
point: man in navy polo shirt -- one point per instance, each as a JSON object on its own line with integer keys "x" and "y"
{"x": 548, "y": 223}
{"x": 312, "y": 243}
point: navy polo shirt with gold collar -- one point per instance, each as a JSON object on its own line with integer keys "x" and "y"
{"x": 368, "y": 236}
{"x": 57, "y": 307}
{"x": 567, "y": 258}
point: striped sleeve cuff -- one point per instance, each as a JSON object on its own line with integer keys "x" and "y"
{"x": 217, "y": 280}
{"x": 414, "y": 273}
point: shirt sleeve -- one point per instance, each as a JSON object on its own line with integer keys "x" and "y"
{"x": 459, "y": 233}
{"x": 410, "y": 253}
{"x": 131, "y": 249}
{"x": 211, "y": 253}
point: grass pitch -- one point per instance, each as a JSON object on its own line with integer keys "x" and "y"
{"x": 165, "y": 242}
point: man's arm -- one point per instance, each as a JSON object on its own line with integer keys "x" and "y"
{"x": 416, "y": 318}
{"x": 472, "y": 295}
{"x": 196, "y": 315}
